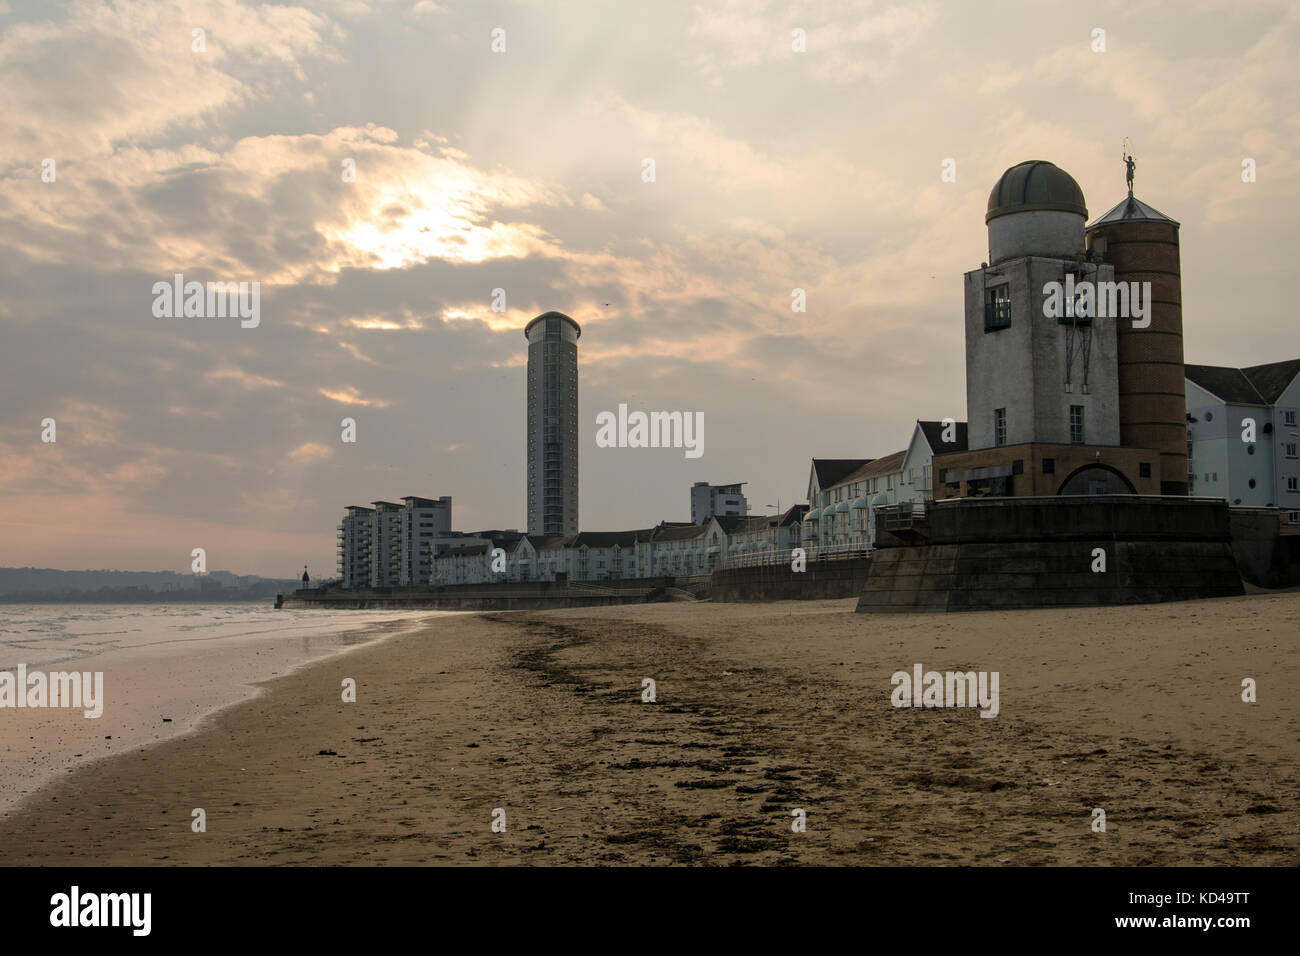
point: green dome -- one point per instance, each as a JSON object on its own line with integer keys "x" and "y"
{"x": 1035, "y": 185}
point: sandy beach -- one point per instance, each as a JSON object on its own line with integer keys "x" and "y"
{"x": 760, "y": 709}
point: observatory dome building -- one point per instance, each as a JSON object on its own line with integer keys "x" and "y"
{"x": 1056, "y": 381}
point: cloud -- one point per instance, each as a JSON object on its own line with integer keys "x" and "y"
{"x": 844, "y": 41}
{"x": 310, "y": 452}
{"x": 126, "y": 72}
{"x": 405, "y": 206}
{"x": 243, "y": 379}
{"x": 350, "y": 396}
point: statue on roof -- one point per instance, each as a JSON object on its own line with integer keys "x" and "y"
{"x": 1129, "y": 164}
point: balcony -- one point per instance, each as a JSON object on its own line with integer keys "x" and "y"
{"x": 997, "y": 315}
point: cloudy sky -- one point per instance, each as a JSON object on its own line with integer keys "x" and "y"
{"x": 522, "y": 170}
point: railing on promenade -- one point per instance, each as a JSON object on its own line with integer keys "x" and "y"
{"x": 754, "y": 559}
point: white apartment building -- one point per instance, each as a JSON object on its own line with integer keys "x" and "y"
{"x": 391, "y": 544}
{"x": 842, "y": 500}
{"x": 422, "y": 521}
{"x": 386, "y": 544}
{"x": 916, "y": 478}
{"x": 675, "y": 550}
{"x": 764, "y": 534}
{"x": 354, "y": 546}
{"x": 844, "y": 493}
{"x": 1264, "y": 473}
{"x": 708, "y": 501}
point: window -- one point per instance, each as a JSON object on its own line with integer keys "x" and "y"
{"x": 999, "y": 426}
{"x": 1288, "y": 418}
{"x": 1144, "y": 469}
{"x": 997, "y": 309}
{"x": 1076, "y": 424}
{"x": 1290, "y": 449}
{"x": 1077, "y": 311}
{"x": 1293, "y": 484}
{"x": 1049, "y": 466}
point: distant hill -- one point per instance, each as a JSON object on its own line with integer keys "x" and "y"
{"x": 23, "y": 585}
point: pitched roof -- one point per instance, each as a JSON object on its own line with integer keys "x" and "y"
{"x": 1131, "y": 209}
{"x": 730, "y": 523}
{"x": 679, "y": 533}
{"x": 792, "y": 514}
{"x": 1271, "y": 380}
{"x": 461, "y": 552}
{"x": 604, "y": 539}
{"x": 933, "y": 432}
{"x": 885, "y": 466}
{"x": 548, "y": 542}
{"x": 753, "y": 523}
{"x": 830, "y": 471}
{"x": 1226, "y": 384}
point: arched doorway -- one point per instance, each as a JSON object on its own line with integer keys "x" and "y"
{"x": 1096, "y": 480}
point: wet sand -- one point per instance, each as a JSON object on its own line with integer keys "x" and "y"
{"x": 761, "y": 709}
{"x": 161, "y": 680}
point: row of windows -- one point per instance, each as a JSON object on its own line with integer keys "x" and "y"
{"x": 1292, "y": 481}
{"x": 1076, "y": 425}
{"x": 867, "y": 487}
{"x": 997, "y": 310}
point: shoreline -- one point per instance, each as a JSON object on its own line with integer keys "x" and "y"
{"x": 190, "y": 677}
{"x": 761, "y": 709}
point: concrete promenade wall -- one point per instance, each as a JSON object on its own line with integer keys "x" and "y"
{"x": 978, "y": 554}
{"x": 1265, "y": 558}
{"x": 776, "y": 582}
{"x": 507, "y": 596}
